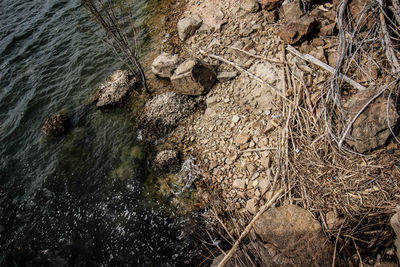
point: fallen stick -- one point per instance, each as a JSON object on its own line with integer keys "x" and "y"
{"x": 326, "y": 67}
{"x": 255, "y": 56}
{"x": 248, "y": 228}
{"x": 258, "y": 149}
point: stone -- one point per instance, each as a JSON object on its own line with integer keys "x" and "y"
{"x": 333, "y": 221}
{"x": 115, "y": 89}
{"x": 264, "y": 186}
{"x": 211, "y": 101}
{"x": 188, "y": 26}
{"x": 317, "y": 42}
{"x": 291, "y": 10}
{"x": 395, "y": 224}
{"x": 56, "y": 126}
{"x": 164, "y": 65}
{"x": 327, "y": 30}
{"x": 242, "y": 139}
{"x": 163, "y": 113}
{"x": 319, "y": 53}
{"x": 252, "y": 206}
{"x": 239, "y": 184}
{"x": 250, "y": 6}
{"x": 167, "y": 161}
{"x": 370, "y": 130}
{"x": 272, "y": 16}
{"x": 271, "y": 4}
{"x": 204, "y": 29}
{"x": 296, "y": 237}
{"x": 235, "y": 119}
{"x": 225, "y": 76}
{"x": 298, "y": 30}
{"x": 194, "y": 77}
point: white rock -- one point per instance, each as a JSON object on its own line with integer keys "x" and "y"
{"x": 235, "y": 119}
{"x": 164, "y": 65}
{"x": 188, "y": 26}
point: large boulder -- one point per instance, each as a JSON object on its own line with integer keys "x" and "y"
{"x": 167, "y": 160}
{"x": 188, "y": 26}
{"x": 290, "y": 236}
{"x": 297, "y": 30}
{"x": 370, "y": 130}
{"x": 163, "y": 113}
{"x": 164, "y": 65}
{"x": 194, "y": 77}
{"x": 56, "y": 126}
{"x": 115, "y": 89}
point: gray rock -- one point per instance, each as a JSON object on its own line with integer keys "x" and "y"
{"x": 188, "y": 26}
{"x": 226, "y": 76}
{"x": 56, "y": 126}
{"x": 167, "y": 160}
{"x": 250, "y": 6}
{"x": 164, "y": 65}
{"x": 370, "y": 130}
{"x": 193, "y": 77}
{"x": 115, "y": 89}
{"x": 163, "y": 113}
{"x": 204, "y": 29}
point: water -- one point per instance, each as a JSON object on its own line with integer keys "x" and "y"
{"x": 77, "y": 200}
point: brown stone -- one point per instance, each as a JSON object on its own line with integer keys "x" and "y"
{"x": 328, "y": 29}
{"x": 317, "y": 42}
{"x": 271, "y": 4}
{"x": 56, "y": 126}
{"x": 292, "y": 10}
{"x": 298, "y": 30}
{"x": 295, "y": 236}
{"x": 272, "y": 16}
{"x": 252, "y": 206}
{"x": 242, "y": 139}
{"x": 370, "y": 130}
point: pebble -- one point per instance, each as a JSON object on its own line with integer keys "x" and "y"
{"x": 235, "y": 119}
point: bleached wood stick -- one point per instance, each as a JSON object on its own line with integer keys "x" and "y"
{"x": 248, "y": 228}
{"x": 326, "y": 67}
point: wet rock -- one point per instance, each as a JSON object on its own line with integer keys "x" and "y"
{"x": 250, "y": 6}
{"x": 291, "y": 10}
{"x": 370, "y": 130}
{"x": 188, "y": 26}
{"x": 163, "y": 113}
{"x": 164, "y": 65}
{"x": 225, "y": 76}
{"x": 295, "y": 236}
{"x": 56, "y": 126}
{"x": 271, "y": 4}
{"x": 298, "y": 30}
{"x": 193, "y": 77}
{"x": 115, "y": 89}
{"x": 167, "y": 160}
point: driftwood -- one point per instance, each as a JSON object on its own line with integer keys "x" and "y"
{"x": 326, "y": 67}
{"x": 248, "y": 228}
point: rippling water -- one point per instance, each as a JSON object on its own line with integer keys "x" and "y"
{"x": 78, "y": 200}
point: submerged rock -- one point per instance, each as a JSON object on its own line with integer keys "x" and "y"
{"x": 194, "y": 77}
{"x": 56, "y": 126}
{"x": 164, "y": 65}
{"x": 163, "y": 113}
{"x": 168, "y": 161}
{"x": 115, "y": 90}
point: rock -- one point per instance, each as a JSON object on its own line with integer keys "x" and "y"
{"x": 292, "y": 10}
{"x": 164, "y": 65}
{"x": 211, "y": 101}
{"x": 270, "y": 4}
{"x": 317, "y": 42}
{"x": 319, "y": 53}
{"x": 193, "y": 77}
{"x": 56, "y": 126}
{"x": 163, "y": 113}
{"x": 235, "y": 119}
{"x": 250, "y": 6}
{"x": 370, "y": 130}
{"x": 252, "y": 206}
{"x": 298, "y": 30}
{"x": 239, "y": 184}
{"x": 395, "y": 224}
{"x": 295, "y": 236}
{"x": 272, "y": 16}
{"x": 167, "y": 160}
{"x": 188, "y": 26}
{"x": 115, "y": 90}
{"x": 328, "y": 30}
{"x": 204, "y": 29}
{"x": 226, "y": 76}
{"x": 264, "y": 186}
{"x": 242, "y": 139}
{"x": 333, "y": 221}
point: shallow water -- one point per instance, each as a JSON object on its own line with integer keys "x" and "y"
{"x": 77, "y": 200}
